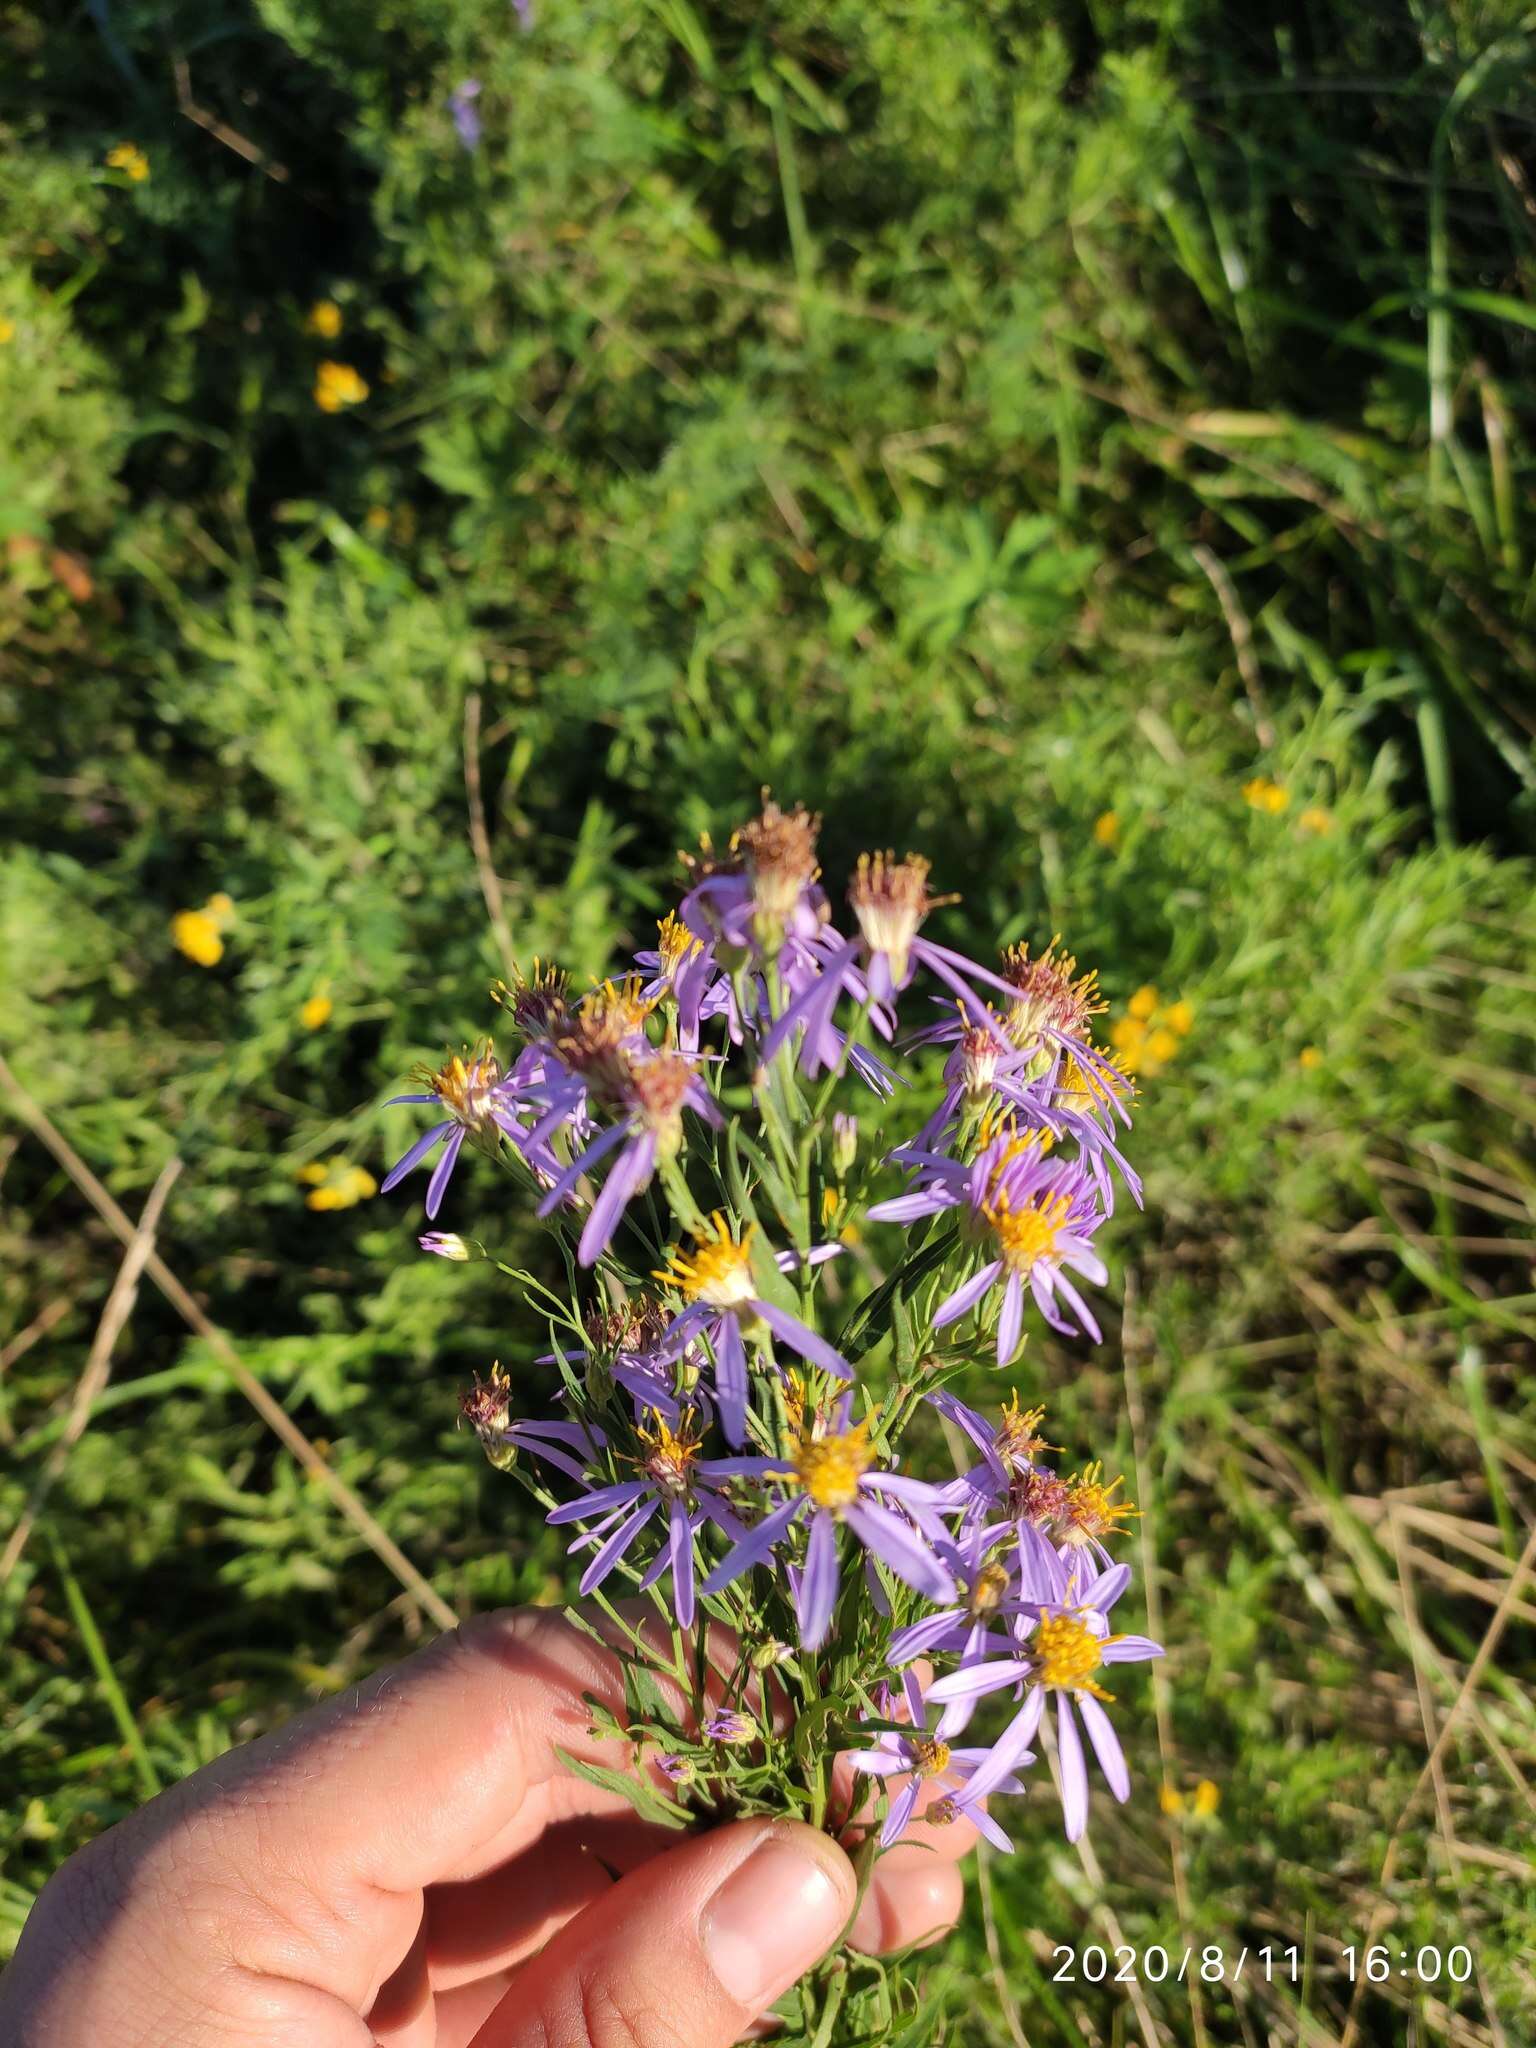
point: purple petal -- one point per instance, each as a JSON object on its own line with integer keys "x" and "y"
{"x": 754, "y": 1546}
{"x": 1106, "y": 1746}
{"x": 878, "y": 1763}
{"x": 630, "y": 1172}
{"x": 806, "y": 1342}
{"x": 599, "y": 1149}
{"x": 680, "y": 1543}
{"x": 731, "y": 1379}
{"x": 417, "y": 1153}
{"x": 984, "y": 1824}
{"x": 979, "y": 1678}
{"x": 965, "y": 1298}
{"x": 1011, "y": 1319}
{"x": 1131, "y": 1650}
{"x": 617, "y": 1544}
{"x": 914, "y": 1697}
{"x": 591, "y": 1505}
{"x": 895, "y": 1544}
{"x": 900, "y": 1813}
{"x": 1074, "y": 1772}
{"x": 818, "y": 1583}
{"x": 1010, "y": 1747}
{"x": 442, "y": 1173}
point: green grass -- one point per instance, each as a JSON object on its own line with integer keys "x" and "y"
{"x": 970, "y": 422}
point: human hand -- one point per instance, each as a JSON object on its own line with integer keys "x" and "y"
{"x": 411, "y": 1866}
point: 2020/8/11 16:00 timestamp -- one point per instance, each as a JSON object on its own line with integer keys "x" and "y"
{"x": 1215, "y": 1964}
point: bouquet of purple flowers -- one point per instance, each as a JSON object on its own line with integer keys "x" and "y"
{"x": 807, "y": 1626}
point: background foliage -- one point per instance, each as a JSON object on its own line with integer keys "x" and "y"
{"x": 973, "y": 421}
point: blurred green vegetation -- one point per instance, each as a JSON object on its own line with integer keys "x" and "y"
{"x": 972, "y": 422}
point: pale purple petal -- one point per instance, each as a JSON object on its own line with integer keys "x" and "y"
{"x": 1074, "y": 1772}
{"x": 418, "y": 1151}
{"x": 731, "y": 1379}
{"x": 901, "y": 1812}
{"x": 598, "y": 1149}
{"x": 818, "y": 1583}
{"x": 1106, "y": 1746}
{"x": 680, "y": 1543}
{"x": 979, "y": 1678}
{"x": 984, "y": 1824}
{"x": 965, "y": 1298}
{"x": 630, "y": 1173}
{"x": 617, "y": 1544}
{"x": 795, "y": 1334}
{"x": 1010, "y": 1748}
{"x": 442, "y": 1173}
{"x": 895, "y": 1544}
{"x": 754, "y": 1546}
{"x": 1011, "y": 1320}
{"x": 1131, "y": 1650}
{"x": 592, "y": 1505}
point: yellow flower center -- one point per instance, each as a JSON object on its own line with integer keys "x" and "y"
{"x": 1018, "y": 1440}
{"x": 675, "y": 943}
{"x": 1067, "y": 1653}
{"x": 1090, "y": 1511}
{"x": 718, "y": 1271}
{"x": 1028, "y": 1234}
{"x": 830, "y": 1467}
{"x": 669, "y": 1457}
{"x": 466, "y": 1088}
{"x": 1050, "y": 992}
{"x": 930, "y": 1759}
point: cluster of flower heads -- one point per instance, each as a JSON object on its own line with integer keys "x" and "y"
{"x": 998, "y": 1581}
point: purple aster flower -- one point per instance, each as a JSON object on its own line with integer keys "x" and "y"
{"x": 680, "y": 967}
{"x": 679, "y": 1770}
{"x": 466, "y": 115}
{"x": 445, "y": 1244}
{"x": 672, "y": 1477}
{"x": 717, "y": 1279}
{"x": 479, "y": 1103}
{"x": 833, "y": 1486}
{"x": 653, "y": 1090}
{"x": 524, "y": 12}
{"x": 730, "y": 1727}
{"x": 1040, "y": 1214}
{"x": 925, "y": 1759}
{"x": 763, "y": 892}
{"x": 1071, "y": 1640}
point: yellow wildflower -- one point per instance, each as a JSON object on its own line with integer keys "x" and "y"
{"x": 1162, "y": 1046}
{"x": 1309, "y": 1059}
{"x": 338, "y": 385}
{"x": 1106, "y": 830}
{"x": 1170, "y": 1799}
{"x": 7, "y": 330}
{"x": 1263, "y": 795}
{"x": 1180, "y": 1017}
{"x": 323, "y": 319}
{"x": 128, "y": 158}
{"x": 1143, "y": 1003}
{"x": 337, "y": 1184}
{"x": 376, "y": 519}
{"x": 1316, "y": 820}
{"x": 315, "y": 1013}
{"x": 1206, "y": 1800}
{"x": 200, "y": 933}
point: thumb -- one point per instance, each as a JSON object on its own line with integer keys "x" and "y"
{"x": 688, "y": 1950}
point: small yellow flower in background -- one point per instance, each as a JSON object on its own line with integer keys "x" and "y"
{"x": 128, "y": 158}
{"x": 1315, "y": 819}
{"x": 324, "y": 319}
{"x": 1106, "y": 830}
{"x": 315, "y": 1012}
{"x": 338, "y": 385}
{"x": 1264, "y": 795}
{"x": 376, "y": 519}
{"x": 200, "y": 933}
{"x": 7, "y": 330}
{"x": 1309, "y": 1059}
{"x": 337, "y": 1184}
{"x": 1151, "y": 1031}
{"x": 1199, "y": 1804}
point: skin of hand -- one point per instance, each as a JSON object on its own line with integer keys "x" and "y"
{"x": 412, "y": 1866}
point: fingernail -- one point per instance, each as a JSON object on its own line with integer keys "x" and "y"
{"x": 774, "y": 1916}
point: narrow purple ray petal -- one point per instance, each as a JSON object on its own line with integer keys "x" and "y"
{"x": 599, "y": 1149}
{"x": 1106, "y": 1747}
{"x": 591, "y": 1505}
{"x": 984, "y": 1824}
{"x": 1106, "y": 1589}
{"x": 629, "y": 1174}
{"x": 1010, "y": 1748}
{"x": 894, "y": 1544}
{"x": 417, "y": 1153}
{"x": 878, "y": 1764}
{"x": 617, "y": 1544}
{"x": 1085, "y": 1314}
{"x": 755, "y": 1545}
{"x": 442, "y": 1173}
{"x": 921, "y": 1636}
{"x": 795, "y": 1334}
{"x": 1074, "y": 1772}
{"x": 913, "y": 1694}
{"x": 680, "y": 1543}
{"x": 817, "y": 1594}
{"x": 1131, "y": 1650}
{"x": 979, "y": 1678}
{"x": 1011, "y": 1321}
{"x": 409, "y": 1098}
{"x": 965, "y": 1298}
{"x": 901, "y": 1812}
{"x": 731, "y": 1389}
